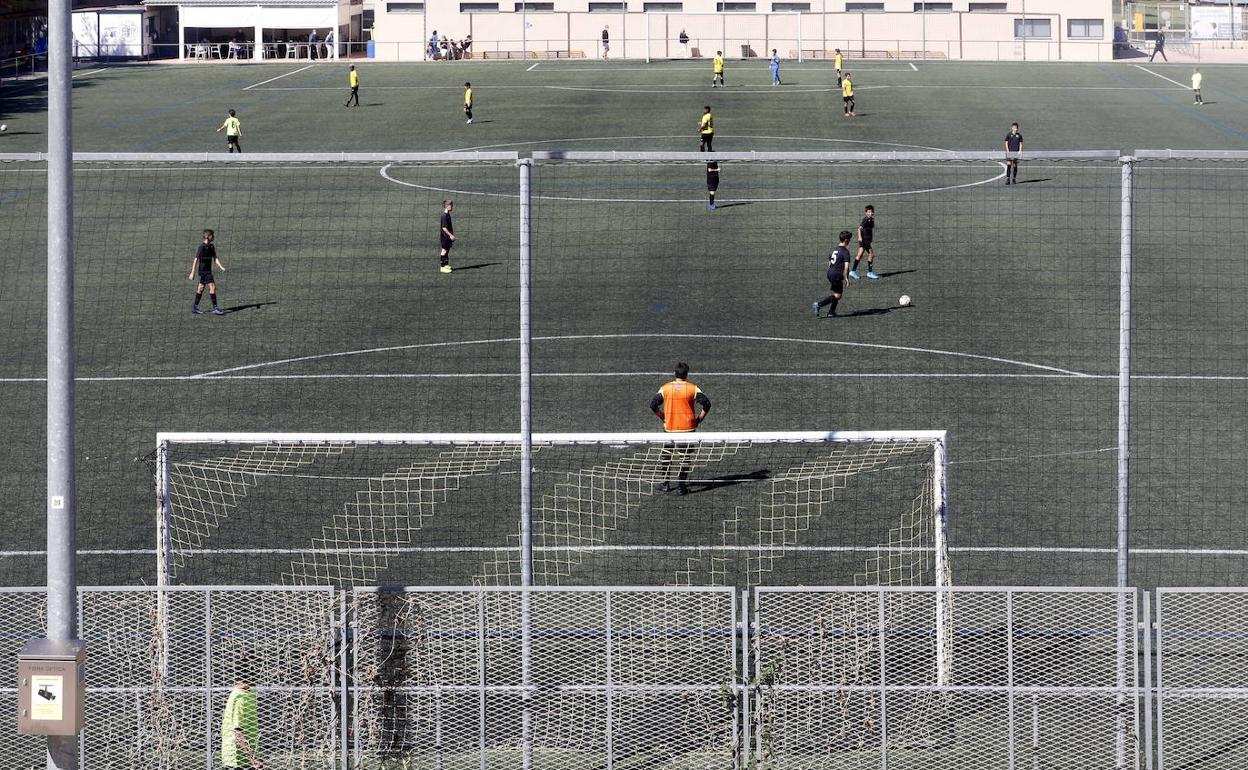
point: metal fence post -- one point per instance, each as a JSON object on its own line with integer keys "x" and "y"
{"x": 1124, "y": 444}
{"x": 882, "y": 618}
{"x": 610, "y": 742}
{"x": 1011, "y": 751}
{"x": 1149, "y": 747}
{"x": 526, "y": 461}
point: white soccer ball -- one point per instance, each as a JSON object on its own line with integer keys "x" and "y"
{"x": 904, "y": 301}
{"x": 4, "y": 126}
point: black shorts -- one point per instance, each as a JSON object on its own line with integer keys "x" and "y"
{"x": 837, "y": 283}
{"x": 865, "y": 245}
{"x": 447, "y": 244}
{"x": 231, "y": 140}
{"x": 355, "y": 89}
{"x": 205, "y": 275}
{"x": 712, "y": 186}
{"x": 846, "y": 99}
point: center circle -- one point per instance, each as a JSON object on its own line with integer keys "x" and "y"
{"x": 385, "y": 172}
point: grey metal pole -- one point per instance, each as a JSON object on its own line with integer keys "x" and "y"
{"x": 1124, "y": 371}
{"x": 62, "y": 576}
{"x": 526, "y": 462}
{"x": 1125, "y": 617}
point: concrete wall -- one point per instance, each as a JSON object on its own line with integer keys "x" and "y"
{"x": 960, "y": 34}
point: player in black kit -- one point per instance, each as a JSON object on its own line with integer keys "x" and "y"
{"x": 838, "y": 269}
{"x": 1013, "y": 149}
{"x": 446, "y": 235}
{"x": 712, "y": 183}
{"x": 205, "y": 256}
{"x": 866, "y": 233}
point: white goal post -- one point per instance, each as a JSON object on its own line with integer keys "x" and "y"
{"x": 580, "y": 499}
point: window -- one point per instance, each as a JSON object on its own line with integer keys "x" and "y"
{"x": 864, "y": 7}
{"x": 981, "y": 7}
{"x": 531, "y": 7}
{"x": 1024, "y": 28}
{"x": 790, "y": 7}
{"x": 608, "y": 7}
{"x": 1094, "y": 28}
{"x": 405, "y": 7}
{"x": 671, "y": 7}
{"x": 727, "y": 7}
{"x": 478, "y": 7}
{"x": 933, "y": 7}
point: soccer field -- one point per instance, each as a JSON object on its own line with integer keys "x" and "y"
{"x": 337, "y": 318}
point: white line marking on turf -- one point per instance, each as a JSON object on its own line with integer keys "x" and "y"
{"x": 916, "y": 69}
{"x": 1159, "y": 75}
{"x": 89, "y": 72}
{"x": 583, "y": 337}
{"x": 530, "y": 69}
{"x": 384, "y": 171}
{"x": 656, "y": 547}
{"x": 279, "y": 77}
{"x": 686, "y": 138}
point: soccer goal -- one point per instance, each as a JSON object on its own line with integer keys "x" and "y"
{"x": 698, "y": 509}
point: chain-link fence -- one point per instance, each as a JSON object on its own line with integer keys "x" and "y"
{"x": 874, "y": 678}
{"x": 1201, "y": 686}
{"x": 691, "y": 677}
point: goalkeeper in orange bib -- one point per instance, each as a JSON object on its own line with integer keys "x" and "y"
{"x": 682, "y": 406}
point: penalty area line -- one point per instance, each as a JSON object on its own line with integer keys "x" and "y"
{"x": 916, "y": 69}
{"x": 1184, "y": 86}
{"x": 530, "y": 69}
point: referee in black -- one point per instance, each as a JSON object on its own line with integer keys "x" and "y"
{"x": 1013, "y": 149}
{"x": 446, "y": 234}
{"x": 838, "y": 269}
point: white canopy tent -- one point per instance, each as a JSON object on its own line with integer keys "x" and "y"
{"x": 234, "y": 14}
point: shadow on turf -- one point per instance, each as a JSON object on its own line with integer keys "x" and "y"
{"x": 898, "y": 272}
{"x": 1034, "y": 181}
{"x": 874, "y": 311}
{"x": 730, "y": 205}
{"x": 732, "y": 479}
{"x": 477, "y": 266}
{"x": 252, "y": 306}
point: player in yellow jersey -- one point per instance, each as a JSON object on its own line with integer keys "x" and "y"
{"x": 837, "y": 61}
{"x": 718, "y": 68}
{"x": 353, "y": 78}
{"x": 1196, "y": 78}
{"x": 847, "y": 95}
{"x": 468, "y": 101}
{"x": 706, "y": 130}
{"x": 233, "y": 133}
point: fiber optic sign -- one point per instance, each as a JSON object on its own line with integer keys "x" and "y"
{"x": 50, "y": 686}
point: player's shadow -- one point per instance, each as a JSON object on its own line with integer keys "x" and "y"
{"x": 32, "y": 133}
{"x": 477, "y": 266}
{"x": 735, "y": 203}
{"x": 1035, "y": 181}
{"x": 477, "y": 122}
{"x": 875, "y": 311}
{"x": 251, "y": 306}
{"x": 729, "y": 480}
{"x": 891, "y": 273}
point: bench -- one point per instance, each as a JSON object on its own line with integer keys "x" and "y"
{"x": 896, "y": 54}
{"x": 571, "y": 54}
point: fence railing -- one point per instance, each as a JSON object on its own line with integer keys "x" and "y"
{"x": 798, "y": 677}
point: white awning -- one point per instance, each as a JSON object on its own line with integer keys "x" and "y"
{"x": 269, "y": 17}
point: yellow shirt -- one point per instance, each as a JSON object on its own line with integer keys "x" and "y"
{"x": 355, "y": 79}
{"x": 719, "y": 65}
{"x": 838, "y": 61}
{"x": 707, "y": 124}
{"x": 232, "y": 126}
{"x": 847, "y": 88}
{"x": 467, "y": 97}
{"x": 1196, "y": 78}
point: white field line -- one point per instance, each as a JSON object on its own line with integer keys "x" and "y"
{"x": 40, "y": 82}
{"x": 916, "y": 69}
{"x": 1003, "y": 549}
{"x": 279, "y": 77}
{"x": 588, "y": 375}
{"x": 1184, "y": 86}
{"x": 686, "y": 88}
{"x": 530, "y": 69}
